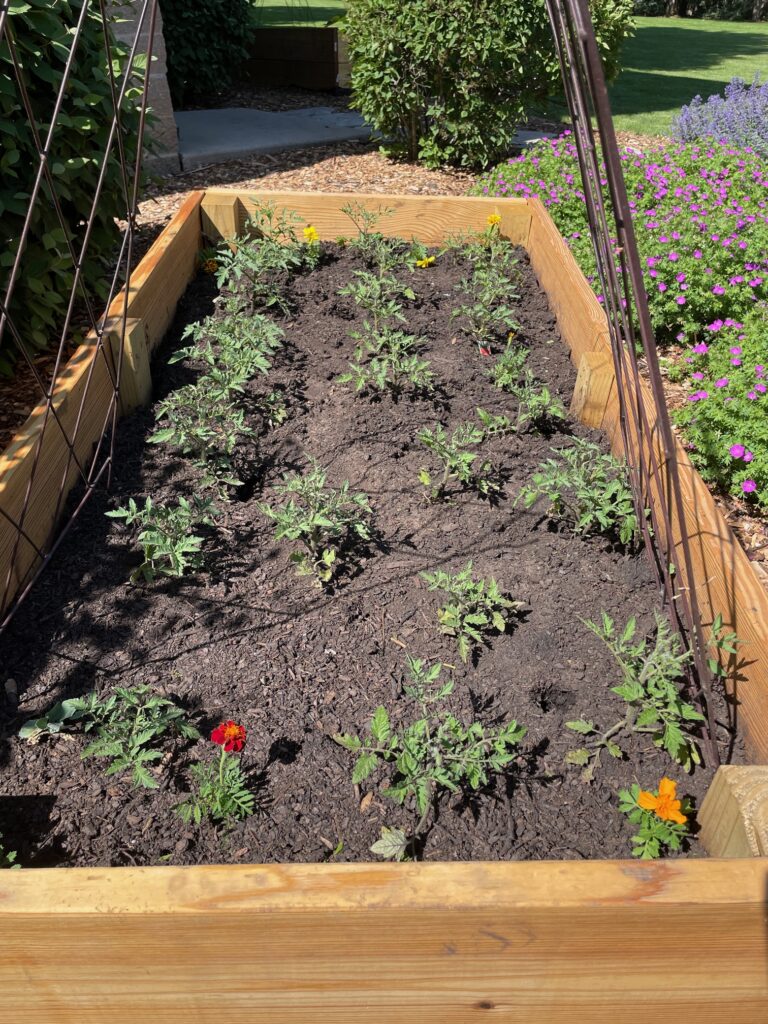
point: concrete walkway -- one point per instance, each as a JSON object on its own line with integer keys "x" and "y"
{"x": 213, "y": 136}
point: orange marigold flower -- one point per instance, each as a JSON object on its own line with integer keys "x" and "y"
{"x": 665, "y": 805}
{"x": 210, "y": 266}
{"x": 229, "y": 735}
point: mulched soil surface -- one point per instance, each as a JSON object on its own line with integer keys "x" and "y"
{"x": 248, "y": 639}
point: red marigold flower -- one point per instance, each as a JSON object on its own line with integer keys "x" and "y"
{"x": 484, "y": 350}
{"x": 229, "y": 735}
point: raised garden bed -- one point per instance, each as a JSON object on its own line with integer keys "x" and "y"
{"x": 291, "y": 635}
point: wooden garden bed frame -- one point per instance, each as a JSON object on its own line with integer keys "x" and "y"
{"x": 531, "y": 943}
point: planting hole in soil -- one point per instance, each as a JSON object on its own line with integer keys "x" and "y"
{"x": 361, "y": 584}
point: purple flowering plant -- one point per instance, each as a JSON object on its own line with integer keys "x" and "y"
{"x": 725, "y": 416}
{"x": 700, "y": 214}
{"x": 741, "y": 116}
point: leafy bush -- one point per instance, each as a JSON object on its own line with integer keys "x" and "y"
{"x": 42, "y": 34}
{"x": 205, "y": 44}
{"x": 740, "y": 116}
{"x": 717, "y": 10}
{"x": 450, "y": 83}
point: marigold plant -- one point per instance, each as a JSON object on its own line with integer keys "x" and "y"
{"x": 663, "y": 819}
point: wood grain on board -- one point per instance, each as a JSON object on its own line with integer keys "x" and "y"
{"x": 519, "y": 943}
{"x": 431, "y": 219}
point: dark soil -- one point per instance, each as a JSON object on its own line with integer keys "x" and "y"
{"x": 247, "y": 639}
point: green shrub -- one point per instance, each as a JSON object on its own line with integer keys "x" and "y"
{"x": 42, "y": 33}
{"x": 205, "y": 45}
{"x": 450, "y": 82}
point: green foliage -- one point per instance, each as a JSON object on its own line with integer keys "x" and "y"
{"x": 508, "y": 368}
{"x": 486, "y": 314}
{"x": 450, "y": 83}
{"x": 128, "y": 724}
{"x": 206, "y": 41}
{"x": 58, "y": 719}
{"x": 7, "y": 857}
{"x": 458, "y": 457}
{"x": 203, "y": 423}
{"x": 433, "y": 754}
{"x": 169, "y": 545}
{"x": 476, "y": 608}
{"x": 537, "y": 407}
{"x": 324, "y": 520}
{"x": 653, "y": 679}
{"x": 654, "y": 834}
{"x": 269, "y": 248}
{"x": 235, "y": 346}
{"x": 586, "y": 489}
{"x": 721, "y": 642}
{"x": 378, "y": 295}
{"x": 42, "y": 31}
{"x": 388, "y": 361}
{"x": 220, "y": 791}
{"x": 376, "y": 249}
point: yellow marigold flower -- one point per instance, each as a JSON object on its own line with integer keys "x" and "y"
{"x": 426, "y": 262}
{"x": 311, "y": 235}
{"x": 494, "y": 219}
{"x": 210, "y": 266}
{"x": 664, "y": 806}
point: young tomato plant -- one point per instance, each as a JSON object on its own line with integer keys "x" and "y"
{"x": 458, "y": 459}
{"x": 235, "y": 346}
{"x": 325, "y": 520}
{"x": 475, "y": 609}
{"x": 220, "y": 788}
{"x": 433, "y": 754}
{"x": 378, "y": 251}
{"x": 537, "y": 407}
{"x": 509, "y": 366}
{"x": 203, "y": 423}
{"x": 378, "y": 296}
{"x": 653, "y": 676}
{"x": 586, "y": 489}
{"x": 165, "y": 535}
{"x": 663, "y": 819}
{"x": 389, "y": 361}
{"x": 269, "y": 249}
{"x": 128, "y": 723}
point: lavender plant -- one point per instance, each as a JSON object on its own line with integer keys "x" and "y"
{"x": 739, "y": 117}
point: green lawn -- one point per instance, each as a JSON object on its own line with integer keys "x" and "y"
{"x": 278, "y": 13}
{"x": 670, "y": 60}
